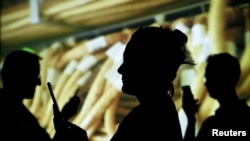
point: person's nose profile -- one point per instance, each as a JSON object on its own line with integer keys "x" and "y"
{"x": 120, "y": 69}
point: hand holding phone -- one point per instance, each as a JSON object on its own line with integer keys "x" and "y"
{"x": 59, "y": 122}
{"x": 189, "y": 104}
{"x": 64, "y": 129}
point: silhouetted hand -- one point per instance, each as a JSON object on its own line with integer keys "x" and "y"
{"x": 70, "y": 132}
{"x": 189, "y": 104}
{"x": 66, "y": 131}
{"x": 70, "y": 107}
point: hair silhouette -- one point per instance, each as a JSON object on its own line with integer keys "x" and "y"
{"x": 151, "y": 59}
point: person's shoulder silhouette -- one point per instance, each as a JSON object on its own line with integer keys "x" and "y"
{"x": 20, "y": 76}
{"x": 232, "y": 118}
{"x": 150, "y": 62}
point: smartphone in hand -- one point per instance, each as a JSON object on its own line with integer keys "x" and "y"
{"x": 187, "y": 93}
{"x": 189, "y": 104}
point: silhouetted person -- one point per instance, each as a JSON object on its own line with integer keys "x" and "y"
{"x": 20, "y": 75}
{"x": 151, "y": 59}
{"x": 232, "y": 118}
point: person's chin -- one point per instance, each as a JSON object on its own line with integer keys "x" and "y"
{"x": 29, "y": 97}
{"x": 128, "y": 90}
{"x": 125, "y": 88}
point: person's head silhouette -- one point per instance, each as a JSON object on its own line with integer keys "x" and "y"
{"x": 21, "y": 73}
{"x": 151, "y": 59}
{"x": 222, "y": 74}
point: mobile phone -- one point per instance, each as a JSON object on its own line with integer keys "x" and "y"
{"x": 187, "y": 93}
{"x": 58, "y": 118}
{"x": 53, "y": 96}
